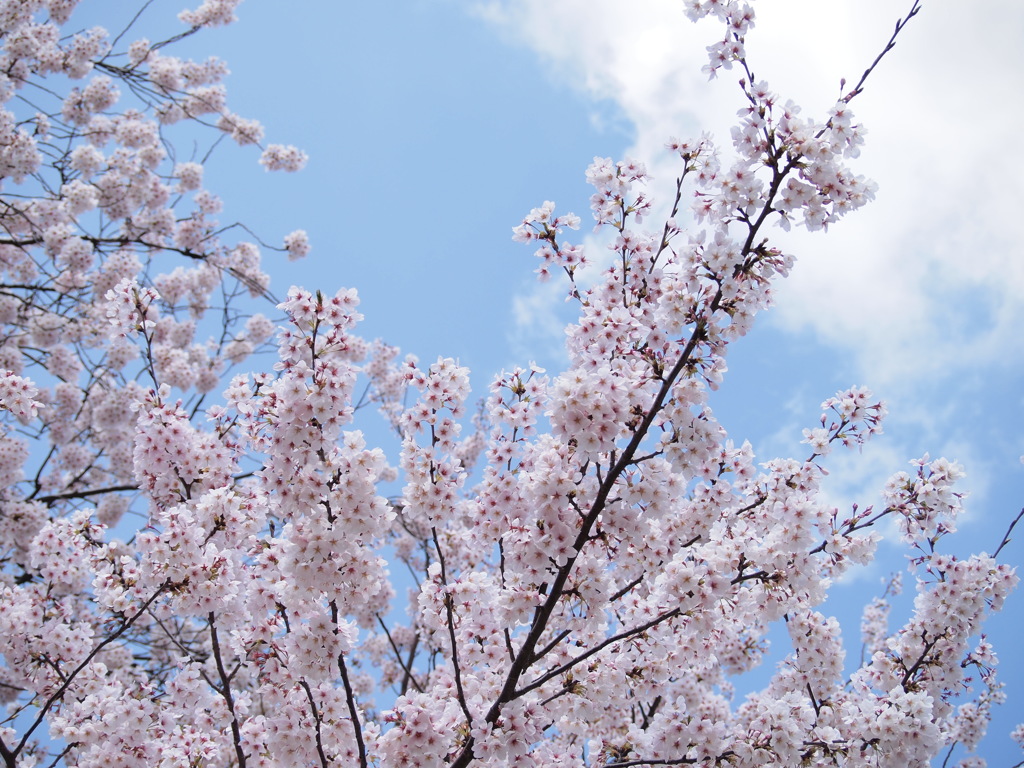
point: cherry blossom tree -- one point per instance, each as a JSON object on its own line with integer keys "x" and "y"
{"x": 592, "y": 562}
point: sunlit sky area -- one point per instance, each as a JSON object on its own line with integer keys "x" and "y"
{"x": 433, "y": 126}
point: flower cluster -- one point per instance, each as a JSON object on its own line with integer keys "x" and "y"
{"x": 541, "y": 224}
{"x": 278, "y": 157}
{"x": 17, "y": 395}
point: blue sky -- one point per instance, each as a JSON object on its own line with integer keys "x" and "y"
{"x": 433, "y": 126}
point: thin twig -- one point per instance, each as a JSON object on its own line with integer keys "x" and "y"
{"x": 1006, "y": 537}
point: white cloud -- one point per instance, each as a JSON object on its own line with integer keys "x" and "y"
{"x": 927, "y": 280}
{"x": 538, "y": 322}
